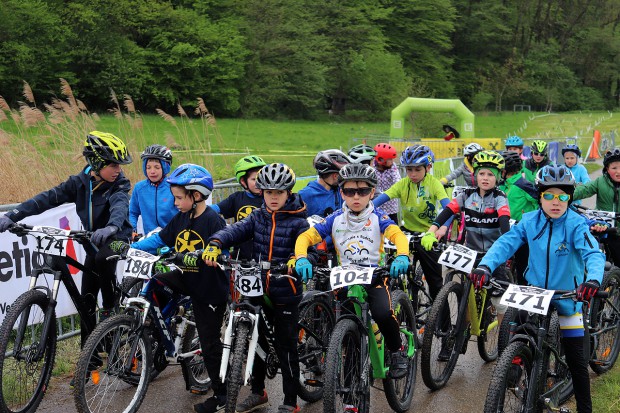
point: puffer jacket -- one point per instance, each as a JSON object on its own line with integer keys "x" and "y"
{"x": 274, "y": 234}
{"x": 562, "y": 252}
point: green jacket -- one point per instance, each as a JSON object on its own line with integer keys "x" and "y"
{"x": 607, "y": 193}
{"x": 519, "y": 201}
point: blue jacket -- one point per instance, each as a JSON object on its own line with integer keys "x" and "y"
{"x": 320, "y": 201}
{"x": 274, "y": 235}
{"x": 561, "y": 250}
{"x": 154, "y": 202}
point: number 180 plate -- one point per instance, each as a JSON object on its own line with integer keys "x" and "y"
{"x": 532, "y": 299}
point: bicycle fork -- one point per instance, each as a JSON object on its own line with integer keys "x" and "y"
{"x": 235, "y": 318}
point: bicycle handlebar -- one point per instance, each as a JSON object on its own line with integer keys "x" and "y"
{"x": 276, "y": 270}
{"x": 562, "y": 293}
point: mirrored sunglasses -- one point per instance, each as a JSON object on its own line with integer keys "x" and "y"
{"x": 548, "y": 196}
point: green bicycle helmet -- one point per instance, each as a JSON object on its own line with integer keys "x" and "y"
{"x": 540, "y": 147}
{"x": 246, "y": 164}
{"x": 101, "y": 149}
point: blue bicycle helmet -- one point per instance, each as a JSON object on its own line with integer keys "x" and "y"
{"x": 514, "y": 141}
{"x": 193, "y": 178}
{"x": 572, "y": 148}
{"x": 417, "y": 155}
{"x": 555, "y": 176}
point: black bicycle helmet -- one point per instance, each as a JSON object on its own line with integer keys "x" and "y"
{"x": 159, "y": 152}
{"x": 611, "y": 156}
{"x": 330, "y": 161}
{"x": 572, "y": 148}
{"x": 513, "y": 161}
{"x": 359, "y": 172}
{"x": 555, "y": 176}
{"x": 101, "y": 149}
{"x": 275, "y": 176}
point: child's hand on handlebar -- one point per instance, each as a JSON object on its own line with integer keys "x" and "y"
{"x": 211, "y": 253}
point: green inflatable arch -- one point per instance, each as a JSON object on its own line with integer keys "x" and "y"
{"x": 455, "y": 106}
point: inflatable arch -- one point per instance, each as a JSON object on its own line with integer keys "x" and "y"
{"x": 455, "y": 106}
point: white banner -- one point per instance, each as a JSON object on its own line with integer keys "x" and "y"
{"x": 16, "y": 260}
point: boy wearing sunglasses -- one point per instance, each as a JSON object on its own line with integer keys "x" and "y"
{"x": 538, "y": 160}
{"x": 357, "y": 231}
{"x": 565, "y": 251}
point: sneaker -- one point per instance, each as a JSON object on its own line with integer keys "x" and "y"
{"x": 285, "y": 408}
{"x": 253, "y": 402}
{"x": 211, "y": 405}
{"x": 399, "y": 364}
{"x": 349, "y": 408}
{"x": 105, "y": 314}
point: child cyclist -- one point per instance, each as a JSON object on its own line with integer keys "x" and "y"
{"x": 571, "y": 154}
{"x": 419, "y": 193}
{"x": 607, "y": 190}
{"x": 322, "y": 196}
{"x": 273, "y": 230}
{"x": 101, "y": 196}
{"x": 188, "y": 232}
{"x": 466, "y": 169}
{"x": 565, "y": 251}
{"x": 515, "y": 144}
{"x": 151, "y": 198}
{"x": 240, "y": 204}
{"x": 359, "y": 223}
{"x": 388, "y": 175}
{"x": 538, "y": 160}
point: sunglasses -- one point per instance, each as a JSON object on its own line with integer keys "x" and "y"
{"x": 350, "y": 192}
{"x": 548, "y": 196}
{"x": 538, "y": 153}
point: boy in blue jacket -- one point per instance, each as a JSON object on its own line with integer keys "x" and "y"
{"x": 273, "y": 230}
{"x": 151, "y": 198}
{"x": 567, "y": 252}
{"x": 571, "y": 154}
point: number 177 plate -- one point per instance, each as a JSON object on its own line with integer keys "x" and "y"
{"x": 532, "y": 299}
{"x": 458, "y": 257}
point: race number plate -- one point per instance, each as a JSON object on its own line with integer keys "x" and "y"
{"x": 55, "y": 243}
{"x": 532, "y": 299}
{"x": 458, "y": 257}
{"x": 607, "y": 217}
{"x": 346, "y": 275}
{"x": 139, "y": 264}
{"x": 249, "y": 285}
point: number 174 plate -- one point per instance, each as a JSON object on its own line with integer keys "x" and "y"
{"x": 532, "y": 299}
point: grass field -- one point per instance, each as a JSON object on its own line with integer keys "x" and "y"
{"x": 43, "y": 151}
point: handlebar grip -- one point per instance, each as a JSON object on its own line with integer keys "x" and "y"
{"x": 601, "y": 294}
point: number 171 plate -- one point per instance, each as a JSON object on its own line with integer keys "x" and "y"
{"x": 458, "y": 257}
{"x": 532, "y": 299}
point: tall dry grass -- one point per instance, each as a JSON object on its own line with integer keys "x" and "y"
{"x": 41, "y": 148}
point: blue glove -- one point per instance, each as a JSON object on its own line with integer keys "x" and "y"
{"x": 5, "y": 223}
{"x": 304, "y": 268}
{"x": 399, "y": 266}
{"x": 100, "y": 236}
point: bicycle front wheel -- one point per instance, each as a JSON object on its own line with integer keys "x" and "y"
{"x": 510, "y": 381}
{"x": 236, "y": 366}
{"x": 316, "y": 322}
{"x": 439, "y": 351}
{"x": 347, "y": 374}
{"x": 26, "y": 374}
{"x": 489, "y": 334}
{"x": 605, "y": 323}
{"x": 112, "y": 373}
{"x": 399, "y": 392}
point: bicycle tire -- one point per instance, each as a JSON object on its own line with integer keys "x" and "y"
{"x": 510, "y": 380}
{"x": 131, "y": 287}
{"x": 345, "y": 369}
{"x": 24, "y": 382}
{"x": 554, "y": 371}
{"x": 420, "y": 300}
{"x": 195, "y": 374}
{"x": 101, "y": 379}
{"x": 399, "y": 392}
{"x": 316, "y": 322}
{"x": 489, "y": 336}
{"x": 436, "y": 373}
{"x": 503, "y": 338}
{"x": 236, "y": 367}
{"x": 606, "y": 345}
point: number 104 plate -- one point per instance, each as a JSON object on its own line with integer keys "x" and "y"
{"x": 532, "y": 299}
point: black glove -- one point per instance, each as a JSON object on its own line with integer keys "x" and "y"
{"x": 100, "y": 236}
{"x": 5, "y": 223}
{"x": 480, "y": 276}
{"x": 587, "y": 290}
{"x": 191, "y": 258}
{"x": 119, "y": 247}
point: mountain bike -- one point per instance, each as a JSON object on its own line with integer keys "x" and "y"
{"x": 458, "y": 312}
{"x": 116, "y": 363}
{"x": 355, "y": 357}
{"x": 531, "y": 373}
{"x": 247, "y": 316}
{"x": 28, "y": 333}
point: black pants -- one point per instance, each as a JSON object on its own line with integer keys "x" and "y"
{"x": 613, "y": 242}
{"x": 283, "y": 319}
{"x": 519, "y": 264}
{"x": 209, "y": 320}
{"x": 432, "y": 270}
{"x": 104, "y": 282}
{"x": 578, "y": 366}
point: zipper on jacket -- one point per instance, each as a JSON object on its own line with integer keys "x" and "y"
{"x": 156, "y": 215}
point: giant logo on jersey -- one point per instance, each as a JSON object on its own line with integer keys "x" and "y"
{"x": 244, "y": 211}
{"x": 188, "y": 241}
